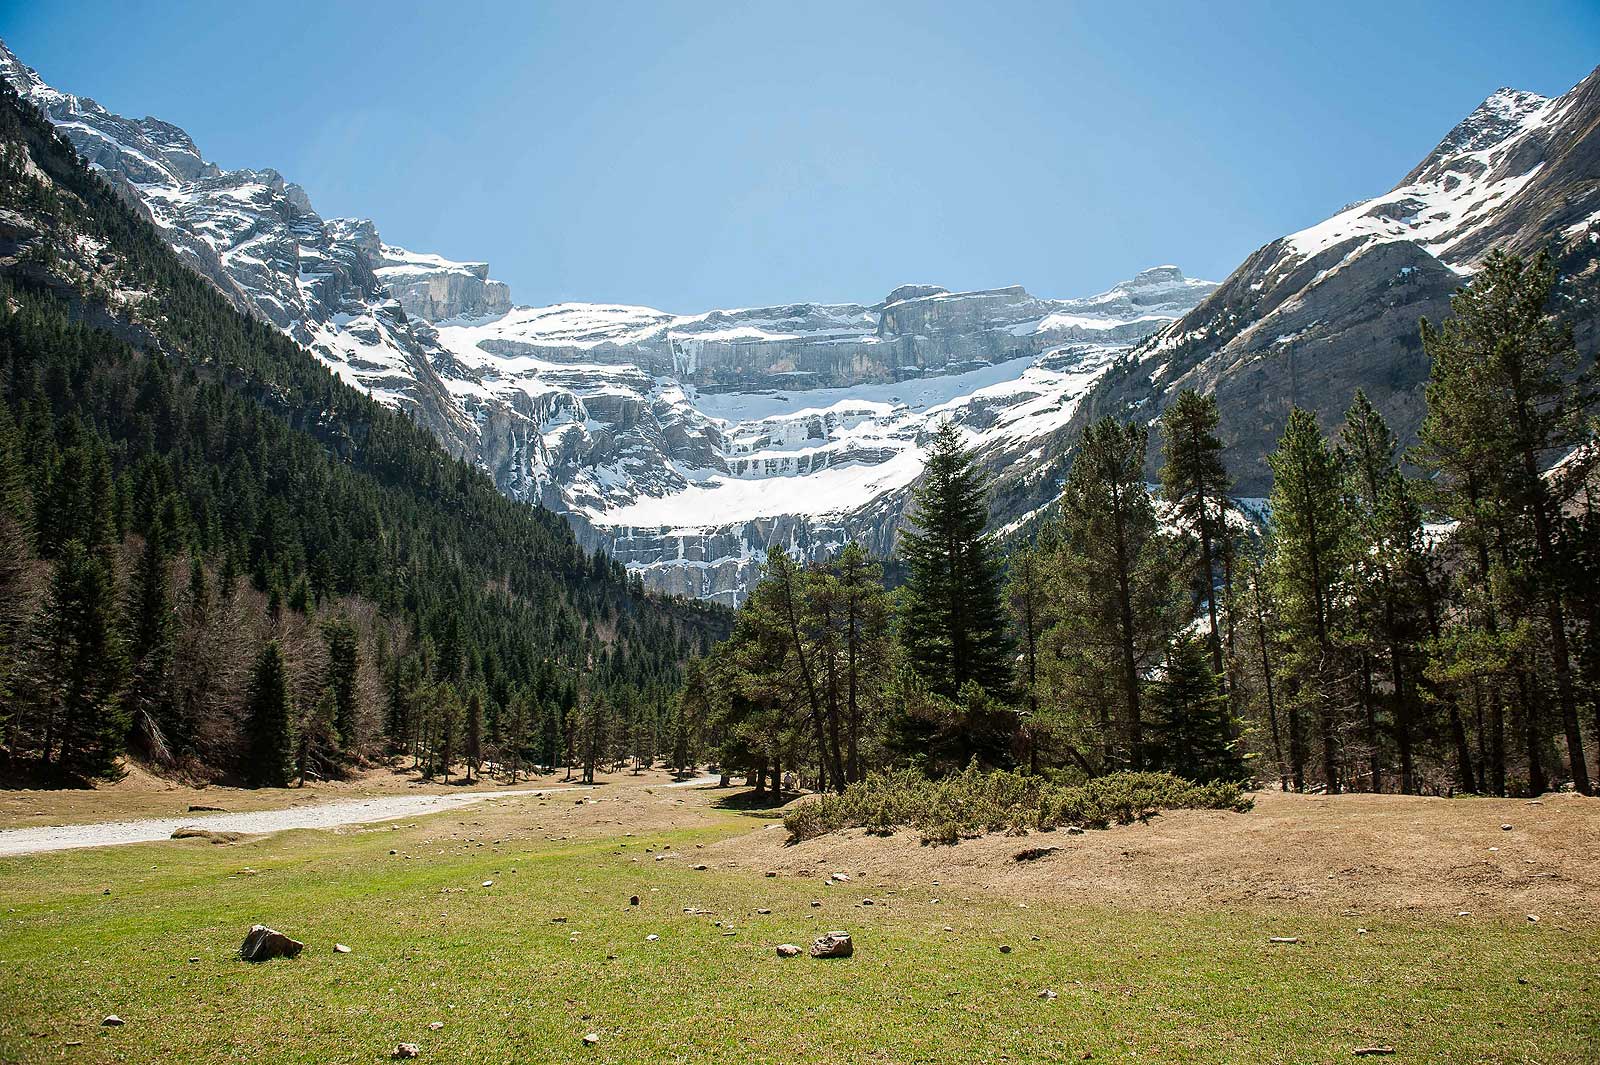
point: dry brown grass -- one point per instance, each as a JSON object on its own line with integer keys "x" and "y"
{"x": 1353, "y": 854}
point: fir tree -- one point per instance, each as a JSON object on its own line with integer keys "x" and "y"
{"x": 1504, "y": 403}
{"x": 344, "y": 659}
{"x": 270, "y": 754}
{"x": 953, "y": 624}
{"x": 1115, "y": 578}
{"x": 1309, "y": 544}
{"x": 81, "y": 669}
{"x": 1195, "y": 481}
{"x": 1191, "y": 733}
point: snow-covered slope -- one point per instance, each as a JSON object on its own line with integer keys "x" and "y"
{"x": 1314, "y": 315}
{"x": 682, "y": 443}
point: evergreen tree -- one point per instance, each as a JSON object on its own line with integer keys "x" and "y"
{"x": 270, "y": 754}
{"x": 1117, "y": 596}
{"x": 1191, "y": 734}
{"x": 953, "y": 624}
{"x": 472, "y": 742}
{"x": 1311, "y": 529}
{"x": 1504, "y": 404}
{"x": 149, "y": 626}
{"x": 80, "y": 668}
{"x": 344, "y": 659}
{"x": 1195, "y": 481}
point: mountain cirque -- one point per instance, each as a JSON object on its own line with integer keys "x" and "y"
{"x": 684, "y": 445}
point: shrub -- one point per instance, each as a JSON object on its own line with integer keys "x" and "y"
{"x": 974, "y": 802}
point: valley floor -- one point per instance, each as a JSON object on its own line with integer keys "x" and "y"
{"x": 509, "y": 923}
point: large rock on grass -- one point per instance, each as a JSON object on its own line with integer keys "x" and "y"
{"x": 833, "y": 945}
{"x": 264, "y": 944}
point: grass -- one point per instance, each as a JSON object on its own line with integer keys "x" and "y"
{"x": 975, "y": 802}
{"x": 513, "y": 985}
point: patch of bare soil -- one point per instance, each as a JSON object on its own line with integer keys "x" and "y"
{"x": 143, "y": 794}
{"x": 1349, "y": 853}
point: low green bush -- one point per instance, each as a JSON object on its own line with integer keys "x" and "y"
{"x": 976, "y": 802}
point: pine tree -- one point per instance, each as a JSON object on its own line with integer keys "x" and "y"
{"x": 953, "y": 625}
{"x": 344, "y": 660}
{"x": 1115, "y": 579}
{"x": 81, "y": 669}
{"x": 1195, "y": 481}
{"x": 149, "y": 627}
{"x": 1191, "y": 734}
{"x": 270, "y": 754}
{"x": 1504, "y": 404}
{"x": 1311, "y": 529}
{"x": 472, "y": 741}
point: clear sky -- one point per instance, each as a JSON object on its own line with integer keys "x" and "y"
{"x": 690, "y": 155}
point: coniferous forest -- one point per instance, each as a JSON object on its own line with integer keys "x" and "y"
{"x": 217, "y": 556}
{"x": 1419, "y": 622}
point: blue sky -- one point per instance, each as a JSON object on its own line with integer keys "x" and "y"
{"x": 691, "y": 155}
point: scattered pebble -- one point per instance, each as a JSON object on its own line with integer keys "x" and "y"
{"x": 406, "y": 1050}
{"x": 633, "y": 900}
{"x": 340, "y": 948}
{"x": 1367, "y": 1052}
{"x": 1533, "y": 918}
{"x": 591, "y": 1038}
{"x": 651, "y": 938}
{"x": 1005, "y": 948}
{"x": 1048, "y": 995}
{"x": 434, "y": 1026}
{"x": 788, "y": 950}
{"x": 112, "y": 1021}
{"x": 1284, "y": 939}
{"x": 487, "y": 883}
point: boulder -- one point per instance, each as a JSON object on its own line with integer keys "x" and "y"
{"x": 264, "y": 944}
{"x": 833, "y": 945}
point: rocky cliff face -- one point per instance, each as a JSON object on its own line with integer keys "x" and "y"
{"x": 1311, "y": 317}
{"x": 686, "y": 444}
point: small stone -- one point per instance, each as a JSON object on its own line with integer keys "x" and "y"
{"x": 1463, "y": 913}
{"x": 434, "y": 1026}
{"x": 1284, "y": 939}
{"x": 1004, "y": 949}
{"x": 947, "y": 928}
{"x": 394, "y": 852}
{"x": 487, "y": 883}
{"x": 1048, "y": 995}
{"x": 193, "y": 960}
{"x": 816, "y": 903}
{"x": 1533, "y": 918}
{"x": 633, "y": 900}
{"x": 1505, "y": 828}
{"x": 763, "y": 909}
{"x": 1368, "y": 1052}
{"x": 833, "y": 945}
{"x": 843, "y": 878}
{"x": 651, "y": 938}
{"x": 591, "y": 1038}
{"x": 558, "y": 920}
{"x": 1361, "y": 931}
{"x": 340, "y": 948}
{"x": 406, "y": 1050}
{"x": 700, "y": 868}
{"x": 866, "y": 902}
{"x": 769, "y": 872}
{"x": 112, "y": 1021}
{"x": 788, "y": 950}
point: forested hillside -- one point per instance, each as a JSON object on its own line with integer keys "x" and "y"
{"x": 214, "y": 550}
{"x": 1367, "y": 630}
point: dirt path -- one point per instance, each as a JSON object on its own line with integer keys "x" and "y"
{"x": 325, "y": 815}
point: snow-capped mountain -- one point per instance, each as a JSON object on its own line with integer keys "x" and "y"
{"x": 1312, "y": 316}
{"x": 681, "y": 444}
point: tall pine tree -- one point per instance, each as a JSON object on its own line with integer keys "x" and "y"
{"x": 953, "y": 625}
